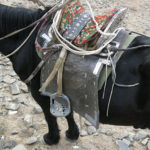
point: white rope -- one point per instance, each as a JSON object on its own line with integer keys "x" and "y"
{"x": 113, "y": 78}
{"x": 127, "y": 85}
{"x": 106, "y": 77}
{"x": 97, "y": 27}
{"x": 76, "y": 50}
{"x": 108, "y": 106}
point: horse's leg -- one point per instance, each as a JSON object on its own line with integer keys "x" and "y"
{"x": 73, "y": 131}
{"x": 52, "y": 137}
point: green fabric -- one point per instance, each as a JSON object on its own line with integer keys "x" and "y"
{"x": 40, "y": 53}
{"x": 102, "y": 77}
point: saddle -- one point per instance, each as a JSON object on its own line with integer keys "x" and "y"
{"x": 84, "y": 76}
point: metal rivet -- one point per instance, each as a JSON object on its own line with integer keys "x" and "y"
{"x": 71, "y": 35}
{"x": 85, "y": 96}
{"x": 85, "y": 16}
{"x": 77, "y": 24}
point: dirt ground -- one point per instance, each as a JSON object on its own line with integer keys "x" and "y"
{"x": 137, "y": 19}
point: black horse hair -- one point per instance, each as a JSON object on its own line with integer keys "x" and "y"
{"x": 15, "y": 18}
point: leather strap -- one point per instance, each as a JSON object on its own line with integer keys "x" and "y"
{"x": 45, "y": 58}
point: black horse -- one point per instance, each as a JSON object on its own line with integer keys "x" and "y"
{"x": 129, "y": 106}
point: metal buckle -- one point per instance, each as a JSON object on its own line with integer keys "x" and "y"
{"x": 59, "y": 105}
{"x": 113, "y": 44}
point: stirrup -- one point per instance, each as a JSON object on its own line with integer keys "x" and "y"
{"x": 59, "y": 105}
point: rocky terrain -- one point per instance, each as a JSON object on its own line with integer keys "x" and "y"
{"x": 22, "y": 122}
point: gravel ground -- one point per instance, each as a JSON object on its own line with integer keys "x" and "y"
{"x": 22, "y": 123}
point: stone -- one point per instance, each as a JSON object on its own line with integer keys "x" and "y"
{"x": 19, "y": 147}
{"x": 130, "y": 138}
{"x": 84, "y": 147}
{"x": 14, "y": 132}
{"x": 35, "y": 126}
{"x": 106, "y": 132}
{"x": 21, "y": 100}
{"x": 83, "y": 133}
{"x": 76, "y": 147}
{"x": 87, "y": 123}
{"x": 8, "y": 79}
{"x": 30, "y": 140}
{"x": 2, "y": 130}
{"x": 7, "y": 62}
{"x": 7, "y": 99}
{"x": 2, "y": 140}
{"x": 126, "y": 141}
{"x": 11, "y": 112}
{"x": 145, "y": 141}
{"x": 103, "y": 131}
{"x": 96, "y": 134}
{"x": 28, "y": 120}
{"x": 140, "y": 135}
{"x": 124, "y": 136}
{"x": 1, "y": 79}
{"x": 13, "y": 73}
{"x": 1, "y": 96}
{"x": 12, "y": 106}
{"x": 122, "y": 145}
{"x": 148, "y": 145}
{"x": 37, "y": 110}
{"x": 28, "y": 131}
{"x": 14, "y": 88}
{"x": 91, "y": 130}
{"x": 22, "y": 86}
{"x": 10, "y": 144}
{"x": 41, "y": 139}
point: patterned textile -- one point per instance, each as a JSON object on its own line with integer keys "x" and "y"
{"x": 89, "y": 32}
{"x": 71, "y": 11}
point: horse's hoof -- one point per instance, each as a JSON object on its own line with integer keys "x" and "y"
{"x": 50, "y": 140}
{"x": 73, "y": 134}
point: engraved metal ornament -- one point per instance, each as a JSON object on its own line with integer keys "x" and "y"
{"x": 73, "y": 30}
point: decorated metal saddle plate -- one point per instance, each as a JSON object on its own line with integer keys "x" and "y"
{"x": 73, "y": 30}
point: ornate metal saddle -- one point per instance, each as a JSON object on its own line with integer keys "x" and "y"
{"x": 81, "y": 74}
